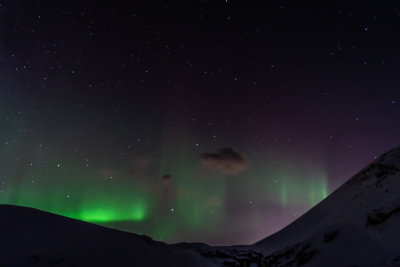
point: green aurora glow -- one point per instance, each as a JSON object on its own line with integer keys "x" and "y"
{"x": 198, "y": 201}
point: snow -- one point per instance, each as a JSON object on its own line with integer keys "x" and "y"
{"x": 363, "y": 214}
{"x": 32, "y": 237}
{"x": 357, "y": 225}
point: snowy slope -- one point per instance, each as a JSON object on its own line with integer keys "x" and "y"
{"x": 30, "y": 237}
{"x": 357, "y": 225}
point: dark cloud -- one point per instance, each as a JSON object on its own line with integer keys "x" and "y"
{"x": 168, "y": 192}
{"x": 225, "y": 161}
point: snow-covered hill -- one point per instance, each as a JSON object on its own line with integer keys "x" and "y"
{"x": 30, "y": 237}
{"x": 357, "y": 225}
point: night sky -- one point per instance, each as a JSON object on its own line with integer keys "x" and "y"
{"x": 214, "y": 121}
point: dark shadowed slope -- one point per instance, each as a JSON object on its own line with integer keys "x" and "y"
{"x": 30, "y": 237}
{"x": 357, "y": 225}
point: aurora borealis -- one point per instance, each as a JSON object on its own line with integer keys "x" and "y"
{"x": 211, "y": 121}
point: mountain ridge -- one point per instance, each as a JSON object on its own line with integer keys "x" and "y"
{"x": 356, "y": 225}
